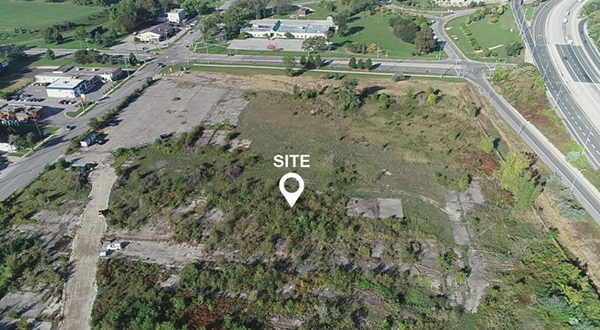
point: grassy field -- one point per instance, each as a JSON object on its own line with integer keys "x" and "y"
{"x": 366, "y": 152}
{"x": 493, "y": 36}
{"x": 36, "y": 15}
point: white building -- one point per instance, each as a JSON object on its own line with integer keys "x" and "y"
{"x": 302, "y": 29}
{"x": 156, "y": 33}
{"x": 6, "y": 143}
{"x": 176, "y": 15}
{"x": 71, "y": 88}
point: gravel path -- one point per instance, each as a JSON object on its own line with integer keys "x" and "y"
{"x": 81, "y": 286}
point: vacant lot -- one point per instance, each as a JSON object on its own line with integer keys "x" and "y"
{"x": 175, "y": 105}
{"x": 489, "y": 36}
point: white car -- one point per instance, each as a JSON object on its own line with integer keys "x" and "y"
{"x": 114, "y": 246}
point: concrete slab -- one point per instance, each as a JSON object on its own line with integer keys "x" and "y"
{"x": 390, "y": 207}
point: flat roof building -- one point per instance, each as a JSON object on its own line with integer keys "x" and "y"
{"x": 303, "y": 29}
{"x": 71, "y": 88}
{"x": 176, "y": 15}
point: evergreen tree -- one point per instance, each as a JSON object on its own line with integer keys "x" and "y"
{"x": 352, "y": 63}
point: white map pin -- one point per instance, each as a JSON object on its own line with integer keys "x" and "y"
{"x": 291, "y": 197}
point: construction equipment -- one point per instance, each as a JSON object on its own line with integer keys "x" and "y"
{"x": 102, "y": 214}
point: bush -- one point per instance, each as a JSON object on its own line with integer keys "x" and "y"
{"x": 398, "y": 76}
{"x": 493, "y": 19}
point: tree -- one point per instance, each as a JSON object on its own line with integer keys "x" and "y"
{"x": 310, "y": 62}
{"x": 525, "y": 192}
{"x": 289, "y": 62}
{"x": 352, "y": 63}
{"x": 80, "y": 34}
{"x": 281, "y": 6}
{"x": 514, "y": 48}
{"x": 302, "y": 60}
{"x": 315, "y": 44}
{"x": 432, "y": 99}
{"x": 318, "y": 61}
{"x": 346, "y": 95}
{"x": 132, "y": 59}
{"x": 289, "y": 35}
{"x": 424, "y": 41}
{"x": 50, "y": 54}
{"x": 368, "y": 64}
{"x": 360, "y": 64}
{"x": 406, "y": 31}
{"x": 487, "y": 145}
{"x": 27, "y": 142}
{"x": 195, "y": 7}
{"x": 341, "y": 20}
{"x": 85, "y": 56}
{"x": 398, "y": 76}
{"x": 93, "y": 123}
{"x": 513, "y": 169}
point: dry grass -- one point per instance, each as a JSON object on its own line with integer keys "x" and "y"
{"x": 581, "y": 239}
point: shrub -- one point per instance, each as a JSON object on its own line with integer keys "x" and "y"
{"x": 398, "y": 76}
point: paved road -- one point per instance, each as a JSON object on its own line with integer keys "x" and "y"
{"x": 557, "y": 61}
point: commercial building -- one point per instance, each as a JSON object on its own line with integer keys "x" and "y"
{"x": 6, "y": 143}
{"x": 156, "y": 33}
{"x": 16, "y": 114}
{"x": 111, "y": 75}
{"x": 302, "y": 29}
{"x": 64, "y": 87}
{"x": 176, "y": 15}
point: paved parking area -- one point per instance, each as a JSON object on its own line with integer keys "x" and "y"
{"x": 175, "y": 105}
{"x": 262, "y": 44}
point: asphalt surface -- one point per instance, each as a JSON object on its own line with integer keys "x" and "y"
{"x": 581, "y": 127}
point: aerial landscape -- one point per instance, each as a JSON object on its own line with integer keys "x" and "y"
{"x": 299, "y": 164}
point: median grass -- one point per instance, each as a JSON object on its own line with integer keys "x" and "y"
{"x": 529, "y": 9}
{"x": 489, "y": 36}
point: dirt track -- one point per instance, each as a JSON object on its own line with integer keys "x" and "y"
{"x": 81, "y": 286}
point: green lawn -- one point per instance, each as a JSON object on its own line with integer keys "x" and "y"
{"x": 529, "y": 9}
{"x": 364, "y": 29}
{"x": 36, "y": 15}
{"x": 488, "y": 35}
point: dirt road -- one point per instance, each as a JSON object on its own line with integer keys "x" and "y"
{"x": 81, "y": 287}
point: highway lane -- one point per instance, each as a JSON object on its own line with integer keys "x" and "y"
{"x": 575, "y": 119}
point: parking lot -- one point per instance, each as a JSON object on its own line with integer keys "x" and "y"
{"x": 35, "y": 94}
{"x": 174, "y": 105}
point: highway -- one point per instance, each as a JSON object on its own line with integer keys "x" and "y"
{"x": 567, "y": 71}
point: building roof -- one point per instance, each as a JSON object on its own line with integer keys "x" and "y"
{"x": 176, "y": 10}
{"x": 158, "y": 29}
{"x": 288, "y": 25}
{"x": 65, "y": 83}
